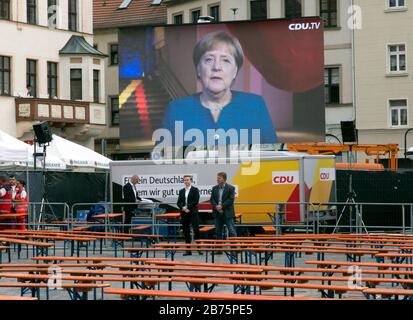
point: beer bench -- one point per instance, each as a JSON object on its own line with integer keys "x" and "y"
{"x": 207, "y": 231}
{"x": 16, "y": 298}
{"x": 40, "y": 248}
{"x": 57, "y": 260}
{"x": 76, "y": 291}
{"x": 130, "y": 293}
{"x": 388, "y": 293}
{"x": 327, "y": 291}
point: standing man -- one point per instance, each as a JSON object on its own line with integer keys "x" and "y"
{"x": 21, "y": 205}
{"x": 5, "y": 201}
{"x": 222, "y": 201}
{"x": 130, "y": 194}
{"x": 188, "y": 201}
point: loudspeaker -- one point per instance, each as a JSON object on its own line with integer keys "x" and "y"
{"x": 42, "y": 133}
{"x": 348, "y": 131}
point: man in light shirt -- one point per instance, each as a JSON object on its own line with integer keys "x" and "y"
{"x": 188, "y": 201}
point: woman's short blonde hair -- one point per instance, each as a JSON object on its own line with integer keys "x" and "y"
{"x": 213, "y": 38}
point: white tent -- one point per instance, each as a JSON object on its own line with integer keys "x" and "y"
{"x": 12, "y": 149}
{"x": 52, "y": 162}
{"x": 75, "y": 155}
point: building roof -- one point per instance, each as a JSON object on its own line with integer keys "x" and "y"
{"x": 139, "y": 12}
{"x": 77, "y": 45}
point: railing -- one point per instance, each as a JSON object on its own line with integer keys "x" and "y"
{"x": 329, "y": 217}
{"x": 54, "y": 110}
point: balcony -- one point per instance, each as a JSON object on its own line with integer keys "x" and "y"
{"x": 52, "y": 110}
{"x": 77, "y": 117}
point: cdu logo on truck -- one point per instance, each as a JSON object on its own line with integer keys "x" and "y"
{"x": 327, "y": 174}
{"x": 285, "y": 177}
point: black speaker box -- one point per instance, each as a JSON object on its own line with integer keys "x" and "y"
{"x": 348, "y": 131}
{"x": 42, "y": 133}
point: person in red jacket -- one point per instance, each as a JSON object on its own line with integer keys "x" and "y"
{"x": 6, "y": 205}
{"x": 21, "y": 205}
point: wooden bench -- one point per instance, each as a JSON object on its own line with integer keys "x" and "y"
{"x": 10, "y": 298}
{"x": 388, "y": 293}
{"x": 327, "y": 291}
{"x": 126, "y": 293}
{"x": 269, "y": 229}
{"x": 141, "y": 228}
{"x": 353, "y": 254}
{"x": 58, "y": 259}
{"x": 207, "y": 231}
{"x": 48, "y": 265}
{"x": 397, "y": 257}
{"x": 369, "y": 281}
{"x": 382, "y": 266}
{"x": 76, "y": 291}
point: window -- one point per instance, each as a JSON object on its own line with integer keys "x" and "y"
{"x": 258, "y": 9}
{"x": 398, "y": 112}
{"x": 178, "y": 19}
{"x": 125, "y": 4}
{"x": 293, "y": 9}
{"x": 195, "y": 15}
{"x": 397, "y": 58}
{"x": 52, "y": 79}
{"x": 332, "y": 85}
{"x": 4, "y": 9}
{"x": 114, "y": 55}
{"x": 73, "y": 15}
{"x": 31, "y": 11}
{"x": 5, "y": 72}
{"x": 214, "y": 12}
{"x": 96, "y": 84}
{"x": 76, "y": 84}
{"x": 328, "y": 11}
{"x": 114, "y": 110}
{"x": 31, "y": 77}
{"x": 52, "y": 13}
{"x": 396, "y": 3}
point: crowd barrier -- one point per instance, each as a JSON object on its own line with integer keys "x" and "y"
{"x": 352, "y": 217}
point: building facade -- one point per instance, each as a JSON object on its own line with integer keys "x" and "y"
{"x": 383, "y": 72}
{"x": 49, "y": 70}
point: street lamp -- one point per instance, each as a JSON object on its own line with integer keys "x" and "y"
{"x": 405, "y": 142}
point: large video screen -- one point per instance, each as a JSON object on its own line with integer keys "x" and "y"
{"x": 228, "y": 83}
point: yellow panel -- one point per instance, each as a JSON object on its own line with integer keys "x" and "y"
{"x": 124, "y": 96}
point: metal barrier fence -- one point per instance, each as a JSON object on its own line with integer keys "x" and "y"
{"x": 38, "y": 214}
{"x": 339, "y": 217}
{"x": 328, "y": 217}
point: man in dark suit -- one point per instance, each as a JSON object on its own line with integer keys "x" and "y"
{"x": 188, "y": 205}
{"x": 222, "y": 201}
{"x": 130, "y": 194}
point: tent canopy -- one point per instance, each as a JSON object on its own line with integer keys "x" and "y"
{"x": 75, "y": 155}
{"x": 12, "y": 149}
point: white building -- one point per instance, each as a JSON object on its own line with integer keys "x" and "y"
{"x": 384, "y": 72}
{"x": 49, "y": 69}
